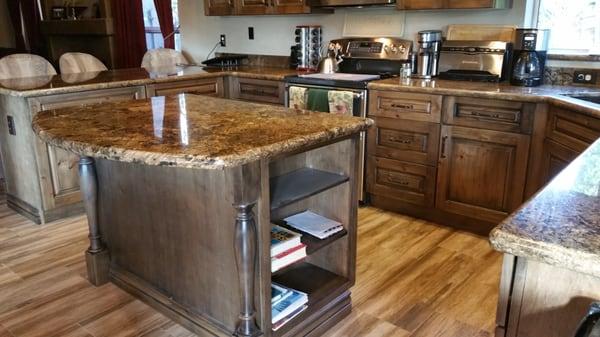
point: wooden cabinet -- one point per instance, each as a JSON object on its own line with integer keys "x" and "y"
{"x": 417, "y": 107}
{"x": 481, "y": 173}
{"x": 572, "y": 129}
{"x": 555, "y": 158}
{"x": 218, "y": 7}
{"x": 452, "y": 4}
{"x": 208, "y": 87}
{"x": 57, "y": 168}
{"x": 259, "y": 7}
{"x": 263, "y": 91}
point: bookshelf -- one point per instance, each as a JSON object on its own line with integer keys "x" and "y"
{"x": 324, "y": 181}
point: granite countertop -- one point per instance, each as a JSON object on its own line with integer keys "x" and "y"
{"x": 554, "y": 94}
{"x": 66, "y": 83}
{"x": 561, "y": 224}
{"x": 190, "y": 131}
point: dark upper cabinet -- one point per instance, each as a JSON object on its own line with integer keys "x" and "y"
{"x": 259, "y": 7}
{"x": 452, "y": 4}
{"x": 218, "y": 7}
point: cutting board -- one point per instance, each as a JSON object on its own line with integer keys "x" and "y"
{"x": 481, "y": 32}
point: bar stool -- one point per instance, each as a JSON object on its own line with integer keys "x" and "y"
{"x": 163, "y": 58}
{"x": 25, "y": 65}
{"x": 71, "y": 63}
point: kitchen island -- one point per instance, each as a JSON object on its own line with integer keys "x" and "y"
{"x": 551, "y": 271}
{"x": 180, "y": 193}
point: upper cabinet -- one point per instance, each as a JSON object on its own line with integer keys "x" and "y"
{"x": 452, "y": 4}
{"x": 258, "y": 7}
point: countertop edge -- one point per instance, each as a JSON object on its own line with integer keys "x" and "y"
{"x": 551, "y": 254}
{"x": 198, "y": 162}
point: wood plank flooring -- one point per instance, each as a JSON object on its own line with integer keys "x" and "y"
{"x": 414, "y": 279}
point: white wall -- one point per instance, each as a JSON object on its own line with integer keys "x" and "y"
{"x": 6, "y": 31}
{"x": 274, "y": 34}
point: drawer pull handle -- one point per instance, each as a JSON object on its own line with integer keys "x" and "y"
{"x": 483, "y": 114}
{"x": 403, "y": 106}
{"x": 401, "y": 141}
{"x": 443, "y": 154}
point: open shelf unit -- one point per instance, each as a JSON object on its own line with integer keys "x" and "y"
{"x": 322, "y": 180}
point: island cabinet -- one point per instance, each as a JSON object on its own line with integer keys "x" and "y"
{"x": 453, "y": 4}
{"x": 51, "y": 190}
{"x": 255, "y": 90}
{"x": 206, "y": 86}
{"x": 428, "y": 156}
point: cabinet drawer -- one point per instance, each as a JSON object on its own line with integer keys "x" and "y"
{"x": 572, "y": 129}
{"x": 418, "y": 107}
{"x": 417, "y": 142}
{"x": 209, "y": 87}
{"x": 409, "y": 182}
{"x": 489, "y": 114}
{"x": 264, "y": 91}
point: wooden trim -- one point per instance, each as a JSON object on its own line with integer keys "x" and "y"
{"x": 23, "y": 208}
{"x": 534, "y": 179}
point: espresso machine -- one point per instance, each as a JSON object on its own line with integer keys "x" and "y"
{"x": 430, "y": 42}
{"x": 529, "y": 57}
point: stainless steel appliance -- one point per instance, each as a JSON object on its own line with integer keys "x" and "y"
{"x": 529, "y": 58}
{"x": 475, "y": 60}
{"x": 363, "y": 60}
{"x": 308, "y": 46}
{"x": 430, "y": 42}
{"x": 350, "y": 3}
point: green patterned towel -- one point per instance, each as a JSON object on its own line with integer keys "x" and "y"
{"x": 317, "y": 100}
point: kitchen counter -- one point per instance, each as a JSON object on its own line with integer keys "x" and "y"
{"x": 68, "y": 83}
{"x": 189, "y": 131}
{"x": 181, "y": 192}
{"x": 557, "y": 95}
{"x": 561, "y": 224}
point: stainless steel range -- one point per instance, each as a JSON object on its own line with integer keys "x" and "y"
{"x": 363, "y": 60}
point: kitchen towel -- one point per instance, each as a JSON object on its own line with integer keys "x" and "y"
{"x": 340, "y": 102}
{"x": 298, "y": 97}
{"x": 317, "y": 100}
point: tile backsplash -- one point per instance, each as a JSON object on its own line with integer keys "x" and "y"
{"x": 563, "y": 76}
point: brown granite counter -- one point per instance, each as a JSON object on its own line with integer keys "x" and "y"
{"x": 557, "y": 95}
{"x": 66, "y": 83}
{"x": 189, "y": 131}
{"x": 561, "y": 224}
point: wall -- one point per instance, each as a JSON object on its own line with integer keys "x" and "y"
{"x": 7, "y": 39}
{"x": 274, "y": 34}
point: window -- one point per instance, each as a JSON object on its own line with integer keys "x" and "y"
{"x": 575, "y": 25}
{"x": 154, "y": 38}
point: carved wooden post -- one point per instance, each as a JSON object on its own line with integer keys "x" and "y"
{"x": 246, "y": 184}
{"x": 96, "y": 256}
{"x": 245, "y": 258}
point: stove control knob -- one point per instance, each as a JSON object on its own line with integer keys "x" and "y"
{"x": 394, "y": 49}
{"x": 386, "y": 49}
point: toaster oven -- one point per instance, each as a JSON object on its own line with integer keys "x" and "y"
{"x": 475, "y": 60}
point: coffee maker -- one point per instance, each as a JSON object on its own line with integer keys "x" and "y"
{"x": 529, "y": 58}
{"x": 430, "y": 42}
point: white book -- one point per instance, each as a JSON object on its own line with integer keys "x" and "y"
{"x": 288, "y": 305}
{"x": 288, "y": 257}
{"x": 314, "y": 224}
{"x": 283, "y": 239}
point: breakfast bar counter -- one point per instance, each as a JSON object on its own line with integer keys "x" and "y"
{"x": 180, "y": 193}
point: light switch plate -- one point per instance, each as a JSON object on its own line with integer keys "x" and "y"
{"x": 584, "y": 76}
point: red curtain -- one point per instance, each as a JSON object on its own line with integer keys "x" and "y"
{"x": 130, "y": 34}
{"x": 31, "y": 39}
{"x": 164, "y": 10}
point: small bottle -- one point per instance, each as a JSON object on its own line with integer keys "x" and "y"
{"x": 405, "y": 71}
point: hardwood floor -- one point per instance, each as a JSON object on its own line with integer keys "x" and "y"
{"x": 414, "y": 279}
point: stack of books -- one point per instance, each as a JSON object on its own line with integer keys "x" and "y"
{"x": 286, "y": 247}
{"x": 314, "y": 224}
{"x": 286, "y": 303}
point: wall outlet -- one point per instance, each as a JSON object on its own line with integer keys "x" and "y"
{"x": 223, "y": 40}
{"x": 250, "y": 33}
{"x": 584, "y": 76}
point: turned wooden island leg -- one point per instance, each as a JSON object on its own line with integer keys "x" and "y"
{"x": 245, "y": 258}
{"x": 96, "y": 256}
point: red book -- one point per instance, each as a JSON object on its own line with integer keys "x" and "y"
{"x": 288, "y": 257}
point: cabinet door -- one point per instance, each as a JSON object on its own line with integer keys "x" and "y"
{"x": 58, "y": 168}
{"x": 253, "y": 7}
{"x": 481, "y": 172}
{"x": 421, "y": 4}
{"x": 555, "y": 158}
{"x": 218, "y": 7}
{"x": 290, "y": 7}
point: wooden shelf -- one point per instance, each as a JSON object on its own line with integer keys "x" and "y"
{"x": 318, "y": 283}
{"x": 313, "y": 243}
{"x": 303, "y": 183}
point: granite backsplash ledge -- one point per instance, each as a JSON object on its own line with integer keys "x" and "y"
{"x": 564, "y": 76}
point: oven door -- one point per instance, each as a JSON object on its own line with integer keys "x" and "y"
{"x": 359, "y": 109}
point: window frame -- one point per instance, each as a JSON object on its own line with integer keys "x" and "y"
{"x": 532, "y": 14}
